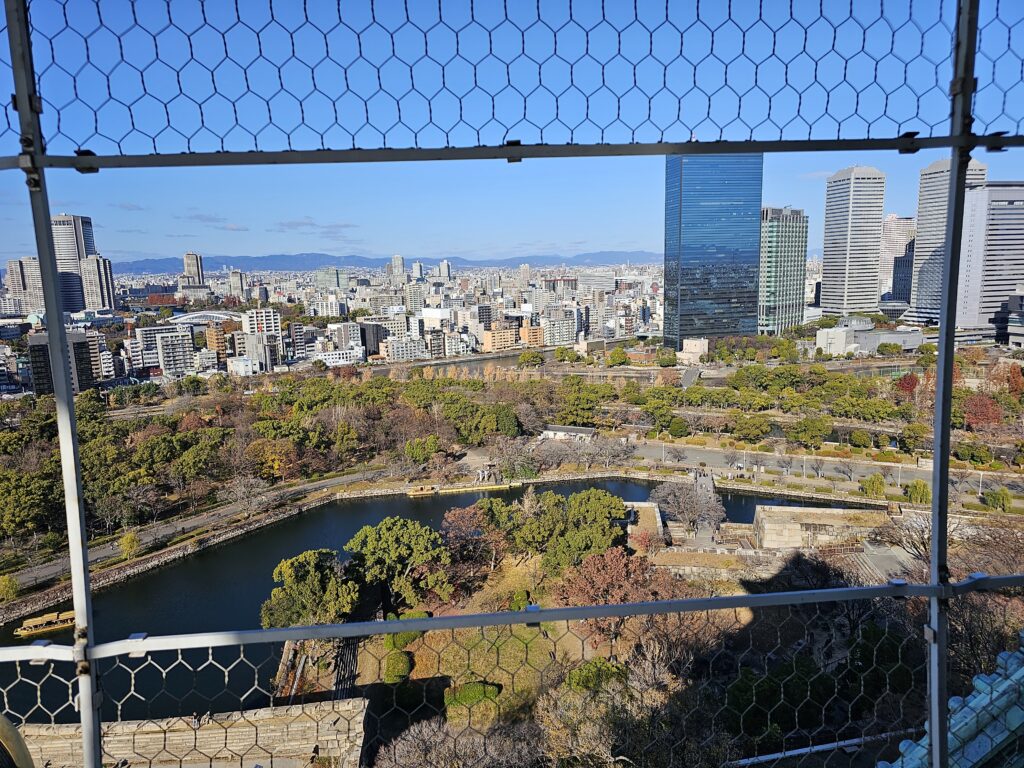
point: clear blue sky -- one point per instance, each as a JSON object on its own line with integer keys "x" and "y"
{"x": 474, "y": 209}
{"x": 288, "y": 75}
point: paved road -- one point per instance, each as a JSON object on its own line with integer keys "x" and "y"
{"x": 175, "y": 527}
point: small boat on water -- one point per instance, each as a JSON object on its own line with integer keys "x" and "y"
{"x": 45, "y": 624}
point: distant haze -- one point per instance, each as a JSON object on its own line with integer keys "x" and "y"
{"x": 304, "y": 262}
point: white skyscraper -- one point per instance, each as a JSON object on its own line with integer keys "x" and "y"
{"x": 929, "y": 244}
{"x": 72, "y": 242}
{"x": 25, "y": 284}
{"x": 444, "y": 269}
{"x": 854, "y": 201}
{"x": 236, "y": 283}
{"x": 992, "y": 252}
{"x": 897, "y": 234}
{"x": 97, "y": 282}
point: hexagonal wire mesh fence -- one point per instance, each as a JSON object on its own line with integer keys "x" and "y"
{"x": 757, "y": 681}
{"x": 737, "y": 683}
{"x": 163, "y": 78}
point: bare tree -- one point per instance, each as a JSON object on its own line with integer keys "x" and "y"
{"x": 249, "y": 492}
{"x": 846, "y": 468}
{"x": 611, "y": 451}
{"x": 731, "y": 457}
{"x": 685, "y": 503}
{"x": 784, "y": 462}
{"x": 913, "y": 534}
{"x": 959, "y": 478}
{"x": 818, "y": 467}
{"x": 676, "y": 455}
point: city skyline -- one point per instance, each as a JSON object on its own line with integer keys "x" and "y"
{"x": 561, "y": 207}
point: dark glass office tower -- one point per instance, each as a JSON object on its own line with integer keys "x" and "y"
{"x": 712, "y": 245}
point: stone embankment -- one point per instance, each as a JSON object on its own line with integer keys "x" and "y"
{"x": 289, "y": 737}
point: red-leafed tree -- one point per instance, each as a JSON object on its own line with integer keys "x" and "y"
{"x": 906, "y": 385}
{"x": 474, "y": 543}
{"x": 981, "y": 412}
{"x": 611, "y": 578}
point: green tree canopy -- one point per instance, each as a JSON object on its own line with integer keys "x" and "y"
{"x": 405, "y": 558}
{"x": 312, "y": 591}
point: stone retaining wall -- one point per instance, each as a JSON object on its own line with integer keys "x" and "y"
{"x": 278, "y": 736}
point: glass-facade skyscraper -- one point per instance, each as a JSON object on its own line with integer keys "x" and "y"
{"x": 712, "y": 245}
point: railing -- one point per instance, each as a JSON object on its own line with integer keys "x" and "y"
{"x": 104, "y": 85}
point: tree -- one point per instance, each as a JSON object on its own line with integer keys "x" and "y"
{"x": 811, "y": 432}
{"x": 731, "y": 457}
{"x": 530, "y": 358}
{"x": 567, "y": 355}
{"x": 927, "y": 355}
{"x": 318, "y": 366}
{"x": 611, "y": 578}
{"x": 676, "y": 455}
{"x": 890, "y": 349}
{"x": 906, "y": 386}
{"x": 617, "y": 357}
{"x": 818, "y": 466}
{"x": 248, "y": 492}
{"x": 913, "y": 437}
{"x": 8, "y": 588}
{"x": 687, "y": 504}
{"x": 472, "y": 539}
{"x": 846, "y": 468}
{"x": 860, "y": 438}
{"x": 918, "y": 492}
{"x": 130, "y": 545}
{"x": 419, "y": 449}
{"x": 873, "y": 486}
{"x": 999, "y": 499}
{"x": 666, "y": 358}
{"x": 405, "y": 558}
{"x": 751, "y": 428}
{"x": 910, "y": 532}
{"x": 313, "y": 591}
{"x": 982, "y": 412}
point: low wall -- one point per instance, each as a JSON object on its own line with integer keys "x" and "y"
{"x": 278, "y": 736}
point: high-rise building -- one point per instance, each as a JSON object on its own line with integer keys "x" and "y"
{"x": 98, "y": 283}
{"x": 216, "y": 340}
{"x": 25, "y": 284}
{"x": 903, "y": 274}
{"x": 897, "y": 237}
{"x": 194, "y": 269}
{"x": 417, "y": 270}
{"x": 396, "y": 270}
{"x": 72, "y": 241}
{"x": 712, "y": 245}
{"x": 175, "y": 353}
{"x": 930, "y": 241}
{"x": 780, "y": 291}
{"x": 83, "y": 354}
{"x": 330, "y": 279}
{"x": 444, "y": 269}
{"x": 262, "y": 321}
{"x": 992, "y": 252}
{"x": 236, "y": 283}
{"x": 854, "y": 201}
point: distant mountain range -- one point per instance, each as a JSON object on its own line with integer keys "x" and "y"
{"x": 304, "y": 262}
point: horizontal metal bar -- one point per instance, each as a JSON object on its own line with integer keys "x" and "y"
{"x": 9, "y": 163}
{"x": 515, "y": 152}
{"x": 830, "y": 746}
{"x": 472, "y": 621}
{"x": 41, "y": 652}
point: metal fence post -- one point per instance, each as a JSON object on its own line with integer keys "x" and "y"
{"x": 29, "y": 105}
{"x": 961, "y": 94}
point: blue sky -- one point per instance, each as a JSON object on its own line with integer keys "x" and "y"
{"x": 474, "y": 209}
{"x": 125, "y": 78}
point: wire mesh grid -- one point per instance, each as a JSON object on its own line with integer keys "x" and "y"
{"x": 127, "y": 78}
{"x": 778, "y": 685}
{"x": 999, "y": 101}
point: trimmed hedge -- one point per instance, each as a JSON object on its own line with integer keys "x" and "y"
{"x": 397, "y": 667}
{"x": 468, "y": 694}
{"x": 400, "y": 640}
{"x": 593, "y": 675}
